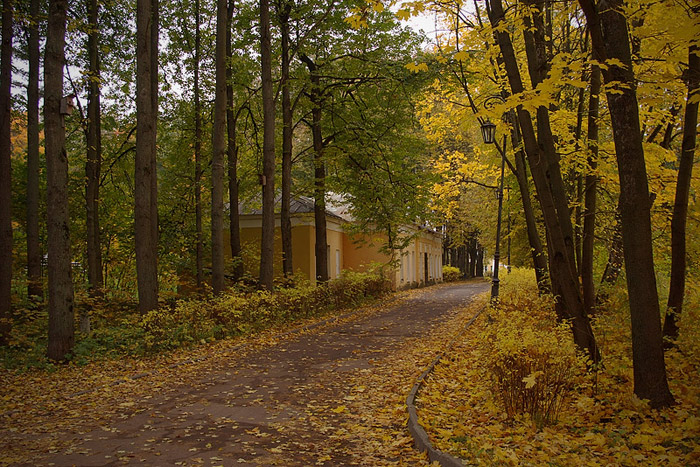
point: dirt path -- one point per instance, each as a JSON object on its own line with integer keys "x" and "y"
{"x": 294, "y": 402}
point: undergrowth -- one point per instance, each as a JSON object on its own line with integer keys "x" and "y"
{"x": 513, "y": 390}
{"x": 117, "y": 329}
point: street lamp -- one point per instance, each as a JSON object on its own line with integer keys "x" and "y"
{"x": 488, "y": 132}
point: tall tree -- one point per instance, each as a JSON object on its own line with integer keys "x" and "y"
{"x": 680, "y": 205}
{"x": 34, "y": 285}
{"x": 5, "y": 172}
{"x": 145, "y": 176}
{"x": 199, "y": 241}
{"x": 316, "y": 97}
{"x": 284, "y": 9}
{"x": 218, "y": 149}
{"x": 61, "y": 314}
{"x": 610, "y": 39}
{"x": 94, "y": 160}
{"x": 232, "y": 153}
{"x": 591, "y": 185}
{"x": 268, "y": 163}
{"x": 544, "y": 165}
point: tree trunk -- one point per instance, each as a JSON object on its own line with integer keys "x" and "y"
{"x": 232, "y": 154}
{"x": 544, "y": 165}
{"x": 218, "y": 145}
{"x": 591, "y": 185}
{"x": 539, "y": 259}
{"x": 479, "y": 262}
{"x": 615, "y": 256}
{"x": 199, "y": 234}
{"x": 93, "y": 165}
{"x": 320, "y": 248}
{"x": 34, "y": 283}
{"x": 268, "y": 175}
{"x": 61, "y": 314}
{"x": 610, "y": 40}
{"x": 680, "y": 205}
{"x": 287, "y": 117}
{"x": 145, "y": 176}
{"x": 6, "y": 173}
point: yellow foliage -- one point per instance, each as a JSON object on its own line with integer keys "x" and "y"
{"x": 601, "y": 422}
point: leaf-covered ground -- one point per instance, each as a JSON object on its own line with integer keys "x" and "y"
{"x": 330, "y": 395}
{"x": 601, "y": 422}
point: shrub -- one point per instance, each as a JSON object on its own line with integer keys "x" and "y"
{"x": 450, "y": 273}
{"x": 533, "y": 360}
{"x": 235, "y": 313}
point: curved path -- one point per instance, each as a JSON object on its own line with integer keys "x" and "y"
{"x": 271, "y": 405}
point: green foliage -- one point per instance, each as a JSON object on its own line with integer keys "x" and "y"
{"x": 533, "y": 361}
{"x": 118, "y": 330}
{"x": 199, "y": 321}
{"x": 450, "y": 273}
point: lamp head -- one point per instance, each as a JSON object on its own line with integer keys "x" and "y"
{"x": 488, "y": 132}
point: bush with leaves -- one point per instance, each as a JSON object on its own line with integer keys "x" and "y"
{"x": 533, "y": 361}
{"x": 450, "y": 273}
{"x": 234, "y": 313}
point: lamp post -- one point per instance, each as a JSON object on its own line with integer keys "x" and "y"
{"x": 488, "y": 132}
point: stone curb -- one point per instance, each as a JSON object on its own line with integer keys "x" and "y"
{"x": 420, "y": 437}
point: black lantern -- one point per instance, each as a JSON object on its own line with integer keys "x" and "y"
{"x": 488, "y": 132}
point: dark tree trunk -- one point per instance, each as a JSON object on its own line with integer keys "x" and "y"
{"x": 61, "y": 314}
{"x": 539, "y": 259}
{"x": 268, "y": 176}
{"x": 34, "y": 283}
{"x": 218, "y": 145}
{"x": 232, "y": 153}
{"x": 199, "y": 234}
{"x": 591, "y": 185}
{"x": 93, "y": 164}
{"x": 287, "y": 122}
{"x": 544, "y": 165}
{"x": 145, "y": 176}
{"x": 615, "y": 256}
{"x": 320, "y": 247}
{"x": 479, "y": 263}
{"x": 680, "y": 205}
{"x": 610, "y": 40}
{"x": 6, "y": 172}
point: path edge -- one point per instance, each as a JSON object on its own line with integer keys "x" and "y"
{"x": 420, "y": 437}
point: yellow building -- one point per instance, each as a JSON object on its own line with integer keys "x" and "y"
{"x": 419, "y": 262}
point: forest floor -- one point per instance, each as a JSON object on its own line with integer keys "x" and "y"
{"x": 328, "y": 395}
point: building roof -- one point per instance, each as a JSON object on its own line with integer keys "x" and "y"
{"x": 301, "y": 205}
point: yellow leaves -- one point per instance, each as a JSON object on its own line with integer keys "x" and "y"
{"x": 417, "y": 67}
{"x": 531, "y": 379}
{"x": 604, "y": 424}
{"x": 461, "y": 56}
{"x": 357, "y": 20}
{"x": 403, "y": 14}
{"x": 339, "y": 409}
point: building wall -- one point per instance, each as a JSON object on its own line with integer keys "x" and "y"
{"x": 345, "y": 252}
{"x": 411, "y": 266}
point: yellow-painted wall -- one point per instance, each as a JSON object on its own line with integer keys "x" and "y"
{"x": 344, "y": 252}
